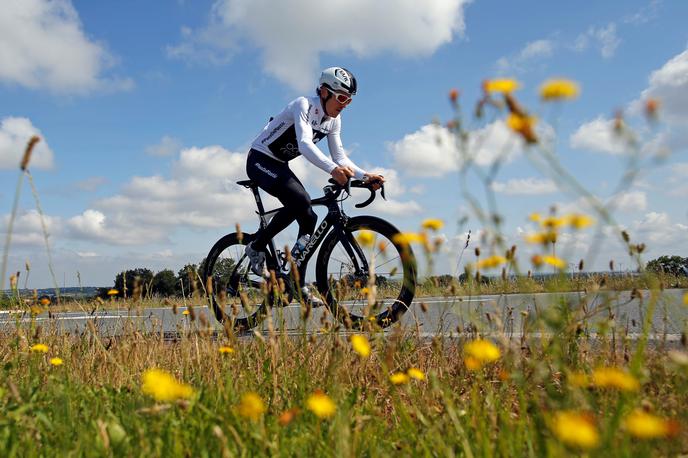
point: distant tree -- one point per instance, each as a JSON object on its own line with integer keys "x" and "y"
{"x": 187, "y": 281}
{"x": 674, "y": 265}
{"x": 134, "y": 283}
{"x": 222, "y": 270}
{"x": 164, "y": 283}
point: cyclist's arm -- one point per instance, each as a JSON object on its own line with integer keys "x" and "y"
{"x": 304, "y": 135}
{"x": 334, "y": 142}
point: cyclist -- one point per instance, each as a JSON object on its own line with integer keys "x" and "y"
{"x": 295, "y": 131}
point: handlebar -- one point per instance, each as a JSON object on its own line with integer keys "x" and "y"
{"x": 336, "y": 187}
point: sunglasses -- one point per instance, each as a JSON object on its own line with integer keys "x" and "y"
{"x": 339, "y": 97}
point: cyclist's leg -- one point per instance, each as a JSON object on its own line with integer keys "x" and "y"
{"x": 277, "y": 179}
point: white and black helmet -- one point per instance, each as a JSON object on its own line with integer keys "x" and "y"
{"x": 338, "y": 79}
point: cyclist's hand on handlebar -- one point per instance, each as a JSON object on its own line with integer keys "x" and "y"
{"x": 342, "y": 174}
{"x": 374, "y": 180}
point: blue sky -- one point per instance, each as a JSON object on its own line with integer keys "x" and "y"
{"x": 147, "y": 109}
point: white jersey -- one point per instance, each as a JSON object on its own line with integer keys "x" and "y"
{"x": 297, "y": 129}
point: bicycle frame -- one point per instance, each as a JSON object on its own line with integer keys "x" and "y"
{"x": 335, "y": 220}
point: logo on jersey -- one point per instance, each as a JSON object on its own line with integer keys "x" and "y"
{"x": 290, "y": 151}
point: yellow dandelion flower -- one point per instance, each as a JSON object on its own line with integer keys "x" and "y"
{"x": 541, "y": 238}
{"x": 45, "y": 301}
{"x": 321, "y": 405}
{"x": 225, "y": 350}
{"x": 415, "y": 373}
{"x": 186, "y": 312}
{"x": 251, "y": 406}
{"x": 164, "y": 387}
{"x": 433, "y": 224}
{"x": 366, "y": 238}
{"x": 612, "y": 377}
{"x": 406, "y": 238}
{"x": 575, "y": 429}
{"x": 399, "y": 378}
{"x": 535, "y": 217}
{"x": 502, "y": 85}
{"x": 365, "y": 291}
{"x": 523, "y": 125}
{"x": 537, "y": 260}
{"x": 579, "y": 221}
{"x": 360, "y": 345}
{"x": 557, "y": 89}
{"x": 491, "y": 262}
{"x": 644, "y": 425}
{"x": 112, "y": 292}
{"x": 553, "y": 222}
{"x": 554, "y": 261}
{"x": 56, "y": 361}
{"x": 479, "y": 352}
{"x": 39, "y": 348}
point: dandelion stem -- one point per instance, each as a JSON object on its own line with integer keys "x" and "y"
{"x": 8, "y": 239}
{"x": 45, "y": 234}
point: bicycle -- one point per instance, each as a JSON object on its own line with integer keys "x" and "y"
{"x": 346, "y": 262}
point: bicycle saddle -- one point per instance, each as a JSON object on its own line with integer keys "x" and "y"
{"x": 247, "y": 184}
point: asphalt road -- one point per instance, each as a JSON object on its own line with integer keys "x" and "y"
{"x": 513, "y": 314}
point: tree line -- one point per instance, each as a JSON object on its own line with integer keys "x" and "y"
{"x": 141, "y": 282}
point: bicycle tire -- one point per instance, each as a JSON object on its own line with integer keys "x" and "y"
{"x": 394, "y": 307}
{"x": 242, "y": 316}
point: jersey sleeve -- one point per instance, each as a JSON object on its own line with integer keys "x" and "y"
{"x": 304, "y": 136}
{"x": 334, "y": 142}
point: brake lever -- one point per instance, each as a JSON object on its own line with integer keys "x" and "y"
{"x": 382, "y": 191}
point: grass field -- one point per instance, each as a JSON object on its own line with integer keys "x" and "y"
{"x": 332, "y": 393}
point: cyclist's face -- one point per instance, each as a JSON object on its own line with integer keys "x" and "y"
{"x": 335, "y": 103}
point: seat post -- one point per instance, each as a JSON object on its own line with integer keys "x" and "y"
{"x": 259, "y": 202}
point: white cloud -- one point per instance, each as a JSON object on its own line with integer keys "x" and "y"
{"x": 598, "y": 135}
{"x": 14, "y": 135}
{"x": 658, "y": 231}
{"x": 604, "y": 38}
{"x": 27, "y": 228}
{"x": 532, "y": 51}
{"x": 525, "y": 186}
{"x": 629, "y": 201}
{"x": 199, "y": 194}
{"x": 669, "y": 84}
{"x": 43, "y": 46}
{"x": 168, "y": 146}
{"x": 432, "y": 151}
{"x": 645, "y": 14}
{"x": 284, "y": 31}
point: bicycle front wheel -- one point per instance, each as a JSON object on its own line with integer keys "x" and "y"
{"x": 236, "y": 295}
{"x": 365, "y": 274}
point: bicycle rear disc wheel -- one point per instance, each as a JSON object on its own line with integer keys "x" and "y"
{"x": 236, "y": 295}
{"x": 345, "y": 277}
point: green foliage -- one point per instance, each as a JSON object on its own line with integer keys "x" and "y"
{"x": 164, "y": 283}
{"x": 188, "y": 280}
{"x": 134, "y": 282}
{"x": 673, "y": 265}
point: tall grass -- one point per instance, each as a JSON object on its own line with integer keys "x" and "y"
{"x": 93, "y": 403}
